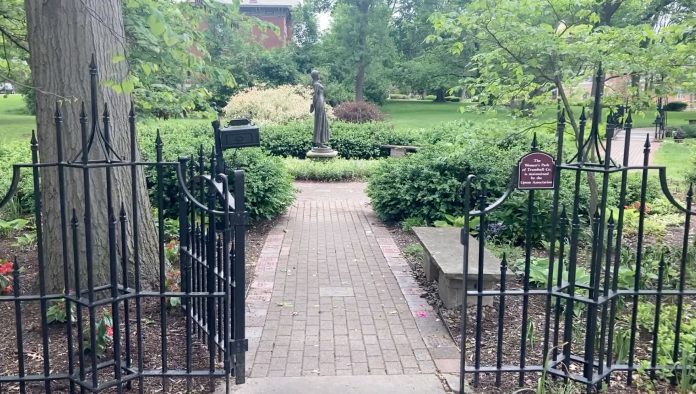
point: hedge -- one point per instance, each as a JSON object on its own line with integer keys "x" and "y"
{"x": 268, "y": 185}
{"x": 426, "y": 185}
{"x": 331, "y": 170}
{"x": 352, "y": 141}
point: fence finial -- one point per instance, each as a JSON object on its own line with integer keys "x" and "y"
{"x": 534, "y": 142}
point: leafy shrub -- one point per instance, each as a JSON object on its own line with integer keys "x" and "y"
{"x": 352, "y": 141}
{"x": 358, "y": 112}
{"x": 675, "y": 106}
{"x": 337, "y": 93}
{"x": 398, "y": 96}
{"x": 689, "y": 131}
{"x": 453, "y": 99}
{"x": 271, "y": 105}
{"x": 429, "y": 183}
{"x": 268, "y": 186}
{"x": 430, "y": 97}
{"x": 164, "y": 102}
{"x": 330, "y": 170}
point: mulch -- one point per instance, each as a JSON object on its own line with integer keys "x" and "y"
{"x": 512, "y": 325}
{"x": 175, "y": 329}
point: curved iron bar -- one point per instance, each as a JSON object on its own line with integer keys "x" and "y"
{"x": 223, "y": 180}
{"x": 214, "y": 181}
{"x": 668, "y": 194}
{"x": 16, "y": 169}
{"x": 511, "y": 187}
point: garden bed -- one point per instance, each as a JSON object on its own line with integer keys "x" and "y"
{"x": 512, "y": 334}
{"x": 152, "y": 331}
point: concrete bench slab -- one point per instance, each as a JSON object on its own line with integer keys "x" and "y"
{"x": 443, "y": 259}
{"x": 400, "y": 150}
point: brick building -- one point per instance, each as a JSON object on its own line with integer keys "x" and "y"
{"x": 277, "y": 12}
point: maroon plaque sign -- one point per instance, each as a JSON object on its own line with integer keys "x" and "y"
{"x": 536, "y": 171}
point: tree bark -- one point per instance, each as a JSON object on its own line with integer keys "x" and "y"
{"x": 439, "y": 95}
{"x": 363, "y": 8}
{"x": 63, "y": 35}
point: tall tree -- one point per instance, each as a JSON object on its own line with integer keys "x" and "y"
{"x": 425, "y": 66}
{"x": 63, "y": 36}
{"x": 14, "y": 49}
{"x": 527, "y": 48}
{"x": 358, "y": 46}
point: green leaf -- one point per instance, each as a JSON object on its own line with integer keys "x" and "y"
{"x": 118, "y": 58}
{"x": 156, "y": 25}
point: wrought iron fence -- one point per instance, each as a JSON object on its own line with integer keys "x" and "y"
{"x": 103, "y": 342}
{"x": 583, "y": 322}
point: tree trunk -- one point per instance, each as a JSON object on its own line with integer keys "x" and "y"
{"x": 363, "y": 8}
{"x": 439, "y": 95}
{"x": 63, "y": 35}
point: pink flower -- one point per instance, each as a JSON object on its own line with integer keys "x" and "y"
{"x": 421, "y": 314}
{"x": 109, "y": 331}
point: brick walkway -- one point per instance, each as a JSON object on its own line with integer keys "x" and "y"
{"x": 332, "y": 295}
{"x": 635, "y": 156}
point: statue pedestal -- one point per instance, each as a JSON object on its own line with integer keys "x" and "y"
{"x": 321, "y": 154}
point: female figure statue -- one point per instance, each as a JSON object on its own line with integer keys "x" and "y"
{"x": 321, "y": 121}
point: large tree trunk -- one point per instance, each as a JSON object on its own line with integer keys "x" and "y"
{"x": 63, "y": 35}
{"x": 439, "y": 95}
{"x": 363, "y": 7}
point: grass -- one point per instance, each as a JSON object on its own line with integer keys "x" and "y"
{"x": 15, "y": 120}
{"x": 423, "y": 114}
{"x": 678, "y": 158}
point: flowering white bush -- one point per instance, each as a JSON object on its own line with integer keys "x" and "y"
{"x": 271, "y": 105}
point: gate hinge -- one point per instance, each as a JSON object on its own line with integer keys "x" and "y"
{"x": 239, "y": 345}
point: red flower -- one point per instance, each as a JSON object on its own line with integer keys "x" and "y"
{"x": 110, "y": 331}
{"x": 5, "y": 268}
{"x": 7, "y": 290}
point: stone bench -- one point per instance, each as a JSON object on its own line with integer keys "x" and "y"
{"x": 400, "y": 150}
{"x": 443, "y": 258}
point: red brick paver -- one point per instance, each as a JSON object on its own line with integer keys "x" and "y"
{"x": 333, "y": 295}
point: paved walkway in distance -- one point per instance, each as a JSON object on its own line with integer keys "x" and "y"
{"x": 635, "y": 156}
{"x": 332, "y": 295}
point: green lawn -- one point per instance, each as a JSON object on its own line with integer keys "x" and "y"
{"x": 678, "y": 158}
{"x": 422, "y": 114}
{"x": 15, "y": 121}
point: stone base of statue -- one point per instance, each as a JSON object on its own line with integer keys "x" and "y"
{"x": 319, "y": 153}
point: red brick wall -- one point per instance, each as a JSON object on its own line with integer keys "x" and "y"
{"x": 270, "y": 39}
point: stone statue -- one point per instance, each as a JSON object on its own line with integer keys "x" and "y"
{"x": 321, "y": 121}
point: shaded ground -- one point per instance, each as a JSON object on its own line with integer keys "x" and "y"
{"x": 151, "y": 327}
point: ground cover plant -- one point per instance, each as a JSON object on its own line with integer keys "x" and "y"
{"x": 331, "y": 170}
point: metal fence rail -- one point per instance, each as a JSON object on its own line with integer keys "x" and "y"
{"x": 212, "y": 223}
{"x": 578, "y": 333}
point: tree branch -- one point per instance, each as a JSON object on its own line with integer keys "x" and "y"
{"x": 13, "y": 40}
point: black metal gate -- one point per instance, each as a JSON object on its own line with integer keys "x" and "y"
{"x": 610, "y": 307}
{"x": 105, "y": 330}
